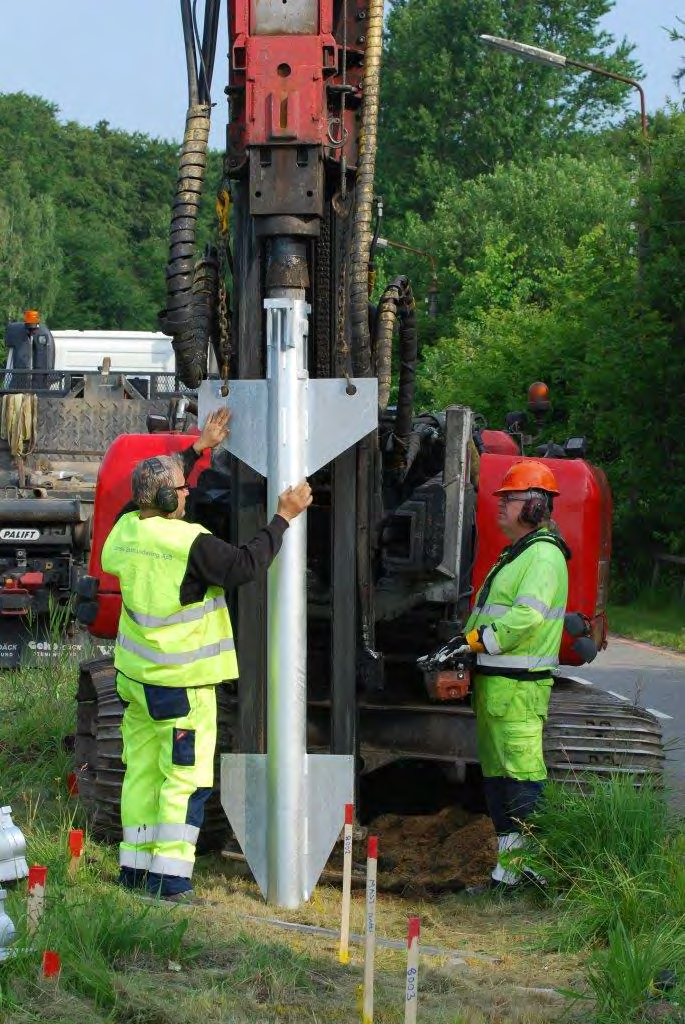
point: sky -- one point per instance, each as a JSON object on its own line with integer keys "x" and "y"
{"x": 123, "y": 62}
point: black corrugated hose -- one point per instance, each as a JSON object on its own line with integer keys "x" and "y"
{"x": 188, "y": 282}
{"x": 397, "y": 304}
{"x": 409, "y": 351}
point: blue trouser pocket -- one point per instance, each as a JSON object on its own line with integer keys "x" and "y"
{"x": 183, "y": 748}
{"x": 166, "y": 702}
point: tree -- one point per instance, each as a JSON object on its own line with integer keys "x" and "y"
{"x": 677, "y": 36}
{"x": 566, "y": 305}
{"x": 498, "y": 238}
{"x": 111, "y": 195}
{"x": 644, "y": 370}
{"x": 30, "y": 258}
{"x": 452, "y": 109}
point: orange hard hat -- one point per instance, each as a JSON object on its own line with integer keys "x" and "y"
{"x": 528, "y": 476}
{"x": 31, "y": 317}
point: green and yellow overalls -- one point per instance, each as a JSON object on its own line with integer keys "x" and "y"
{"x": 169, "y": 659}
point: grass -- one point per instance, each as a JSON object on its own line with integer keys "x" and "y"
{"x": 654, "y": 617}
{"x": 611, "y": 927}
{"x": 614, "y": 859}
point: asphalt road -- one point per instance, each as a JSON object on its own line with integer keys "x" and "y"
{"x": 654, "y": 679}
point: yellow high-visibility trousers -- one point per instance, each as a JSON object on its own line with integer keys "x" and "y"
{"x": 510, "y": 717}
{"x": 169, "y": 738}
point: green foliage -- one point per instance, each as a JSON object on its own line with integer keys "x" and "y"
{"x": 676, "y": 36}
{"x": 613, "y": 858}
{"x": 30, "y": 259}
{"x": 96, "y": 228}
{"x": 609, "y": 850}
{"x": 636, "y": 974}
{"x": 533, "y": 215}
{"x": 544, "y": 275}
{"x": 452, "y": 109}
{"x": 656, "y": 617}
{"x": 640, "y": 362}
{"x": 37, "y": 709}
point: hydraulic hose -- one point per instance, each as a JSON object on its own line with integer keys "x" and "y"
{"x": 386, "y": 319}
{"x": 191, "y": 285}
{"x": 397, "y": 304}
{"x": 408, "y": 359}
{"x": 361, "y": 236}
{"x": 178, "y": 319}
{"x": 189, "y": 45}
{"x": 209, "y": 37}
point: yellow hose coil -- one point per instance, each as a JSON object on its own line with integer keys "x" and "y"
{"x": 18, "y": 423}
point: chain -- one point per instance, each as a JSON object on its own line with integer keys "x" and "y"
{"x": 223, "y": 212}
{"x": 341, "y": 340}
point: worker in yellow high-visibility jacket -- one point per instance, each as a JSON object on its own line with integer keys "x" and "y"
{"x": 514, "y": 631}
{"x": 174, "y": 646}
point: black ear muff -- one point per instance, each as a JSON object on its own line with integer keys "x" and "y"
{"x": 166, "y": 499}
{"x": 534, "y": 509}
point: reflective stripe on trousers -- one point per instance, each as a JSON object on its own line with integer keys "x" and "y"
{"x": 136, "y": 859}
{"x": 176, "y": 866}
{"x": 136, "y": 835}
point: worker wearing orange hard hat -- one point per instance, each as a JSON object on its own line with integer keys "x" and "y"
{"x": 514, "y": 631}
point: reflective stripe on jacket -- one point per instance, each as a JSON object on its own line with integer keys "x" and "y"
{"x": 161, "y": 641}
{"x": 524, "y": 608}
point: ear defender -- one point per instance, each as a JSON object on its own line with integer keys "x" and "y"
{"x": 535, "y": 509}
{"x": 166, "y": 499}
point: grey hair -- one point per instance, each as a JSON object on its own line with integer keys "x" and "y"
{"x": 151, "y": 474}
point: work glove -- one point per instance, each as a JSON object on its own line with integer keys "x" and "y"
{"x": 459, "y": 647}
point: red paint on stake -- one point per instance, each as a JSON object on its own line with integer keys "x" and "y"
{"x": 35, "y": 897}
{"x": 72, "y": 784}
{"x": 349, "y": 814}
{"x": 51, "y": 964}
{"x": 37, "y": 876}
{"x": 76, "y": 850}
{"x": 373, "y": 847}
{"x": 76, "y": 842}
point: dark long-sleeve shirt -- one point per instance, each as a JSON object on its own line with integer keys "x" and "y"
{"x": 213, "y": 561}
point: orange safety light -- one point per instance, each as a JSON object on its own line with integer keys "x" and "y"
{"x": 31, "y": 317}
{"x": 538, "y": 392}
{"x": 538, "y": 398}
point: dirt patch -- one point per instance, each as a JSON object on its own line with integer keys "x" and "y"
{"x": 431, "y": 852}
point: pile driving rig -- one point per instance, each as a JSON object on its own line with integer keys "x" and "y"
{"x": 403, "y": 527}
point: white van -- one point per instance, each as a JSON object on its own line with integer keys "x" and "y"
{"x": 130, "y": 352}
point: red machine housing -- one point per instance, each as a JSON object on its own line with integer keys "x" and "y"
{"x": 498, "y": 442}
{"x": 583, "y": 514}
{"x": 285, "y": 79}
{"x": 112, "y": 492}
